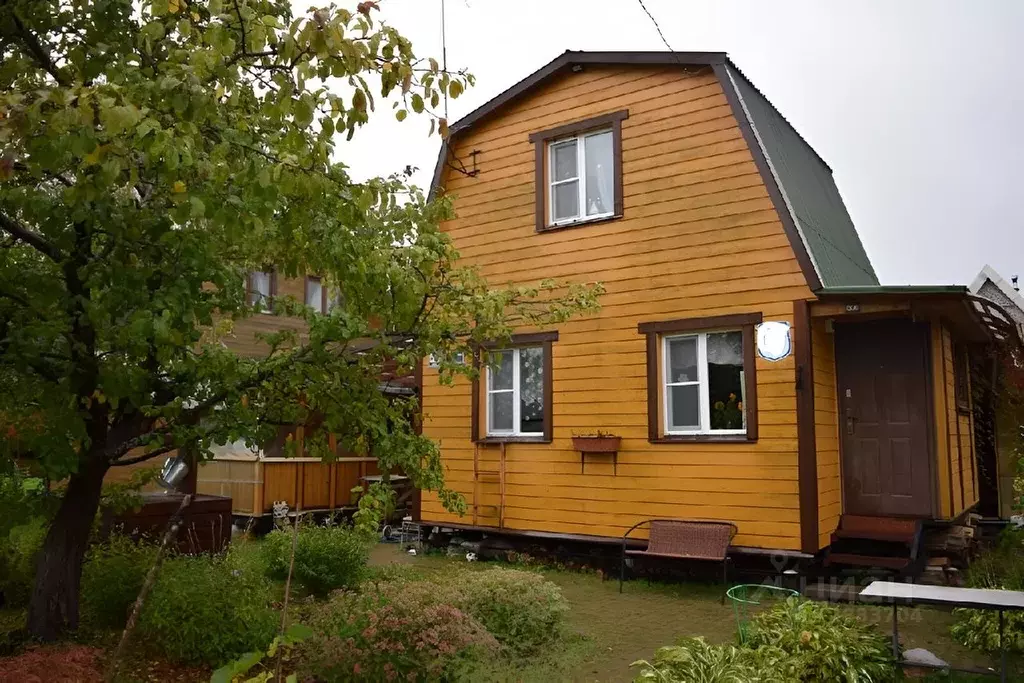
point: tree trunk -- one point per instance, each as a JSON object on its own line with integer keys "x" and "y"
{"x": 54, "y": 606}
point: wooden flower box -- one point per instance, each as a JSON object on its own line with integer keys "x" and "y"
{"x": 599, "y": 443}
{"x": 596, "y": 444}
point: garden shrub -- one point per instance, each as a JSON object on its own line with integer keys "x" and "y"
{"x": 204, "y": 611}
{"x": 396, "y": 632}
{"x": 521, "y": 609}
{"x": 12, "y": 630}
{"x": 18, "y": 551}
{"x": 326, "y": 557}
{"x": 112, "y": 576}
{"x": 999, "y": 567}
{"x": 694, "y": 660}
{"x": 822, "y": 644}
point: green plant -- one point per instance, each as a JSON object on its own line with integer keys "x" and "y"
{"x": 521, "y": 609}
{"x": 392, "y": 633}
{"x": 1001, "y": 567}
{"x": 203, "y": 610}
{"x": 280, "y": 649}
{"x": 18, "y": 553}
{"x": 694, "y": 660}
{"x": 111, "y": 578}
{"x": 326, "y": 557}
{"x": 821, "y": 644}
{"x": 12, "y": 630}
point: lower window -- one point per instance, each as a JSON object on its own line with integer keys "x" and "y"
{"x": 704, "y": 383}
{"x": 515, "y": 392}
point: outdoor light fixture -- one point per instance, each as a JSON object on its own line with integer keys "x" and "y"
{"x": 173, "y": 473}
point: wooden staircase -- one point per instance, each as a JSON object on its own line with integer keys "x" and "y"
{"x": 890, "y": 543}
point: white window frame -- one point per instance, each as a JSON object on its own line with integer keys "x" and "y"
{"x": 580, "y": 178}
{"x": 516, "y": 392}
{"x": 704, "y": 391}
{"x": 321, "y": 306}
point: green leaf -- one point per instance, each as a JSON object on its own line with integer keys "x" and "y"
{"x": 215, "y": 7}
{"x": 455, "y": 89}
{"x": 296, "y": 633}
{"x": 417, "y": 103}
{"x": 401, "y": 114}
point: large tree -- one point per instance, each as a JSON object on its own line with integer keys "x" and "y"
{"x": 150, "y": 155}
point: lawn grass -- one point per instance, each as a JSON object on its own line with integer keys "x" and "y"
{"x": 613, "y": 630}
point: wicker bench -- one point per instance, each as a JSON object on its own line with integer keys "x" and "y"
{"x": 683, "y": 539}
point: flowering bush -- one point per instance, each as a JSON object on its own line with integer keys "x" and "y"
{"x": 394, "y": 632}
{"x": 522, "y": 610}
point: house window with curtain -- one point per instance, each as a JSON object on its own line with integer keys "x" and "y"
{"x": 701, "y": 379}
{"x": 316, "y": 294}
{"x": 260, "y": 289}
{"x": 704, "y": 383}
{"x": 579, "y": 172}
{"x": 512, "y": 394}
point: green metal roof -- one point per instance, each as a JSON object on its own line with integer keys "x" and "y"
{"x": 810, "y": 191}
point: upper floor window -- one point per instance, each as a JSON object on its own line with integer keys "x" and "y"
{"x": 316, "y": 294}
{"x": 701, "y": 379}
{"x": 516, "y": 391}
{"x": 259, "y": 288}
{"x": 579, "y": 171}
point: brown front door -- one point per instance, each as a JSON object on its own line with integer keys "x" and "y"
{"x": 884, "y": 418}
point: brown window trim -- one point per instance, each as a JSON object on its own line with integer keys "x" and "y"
{"x": 544, "y": 339}
{"x": 249, "y": 289}
{"x": 323, "y": 291}
{"x": 540, "y": 141}
{"x": 653, "y": 330}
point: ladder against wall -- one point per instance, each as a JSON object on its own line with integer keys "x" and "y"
{"x": 483, "y": 513}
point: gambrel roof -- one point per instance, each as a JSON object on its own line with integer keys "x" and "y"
{"x": 799, "y": 181}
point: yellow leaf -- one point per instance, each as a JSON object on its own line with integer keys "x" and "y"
{"x": 173, "y": 6}
{"x": 93, "y": 157}
{"x": 179, "y": 187}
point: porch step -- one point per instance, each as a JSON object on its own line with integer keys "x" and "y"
{"x": 890, "y": 543}
{"x": 881, "y": 561}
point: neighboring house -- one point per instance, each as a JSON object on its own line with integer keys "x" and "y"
{"x": 997, "y": 454}
{"x": 670, "y": 178}
{"x": 255, "y": 480}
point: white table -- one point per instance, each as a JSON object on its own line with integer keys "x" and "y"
{"x": 974, "y": 598}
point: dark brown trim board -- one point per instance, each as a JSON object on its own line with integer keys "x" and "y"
{"x": 545, "y": 339}
{"x": 803, "y": 257}
{"x": 698, "y": 324}
{"x": 540, "y": 141}
{"x": 807, "y": 458}
{"x": 745, "y": 322}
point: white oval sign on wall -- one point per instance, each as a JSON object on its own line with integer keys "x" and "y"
{"x": 773, "y": 340}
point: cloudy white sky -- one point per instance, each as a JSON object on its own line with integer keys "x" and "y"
{"x": 917, "y": 105}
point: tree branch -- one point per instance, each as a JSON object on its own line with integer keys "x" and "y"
{"x": 35, "y": 48}
{"x": 144, "y": 457}
{"x": 20, "y": 232}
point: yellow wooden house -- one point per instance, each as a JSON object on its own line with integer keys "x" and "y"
{"x": 671, "y": 179}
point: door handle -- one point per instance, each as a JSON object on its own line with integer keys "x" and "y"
{"x": 850, "y": 421}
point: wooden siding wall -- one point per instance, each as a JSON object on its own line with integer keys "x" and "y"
{"x": 243, "y": 339}
{"x": 826, "y": 430}
{"x": 699, "y": 237}
{"x": 957, "y": 471}
{"x": 254, "y": 486}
